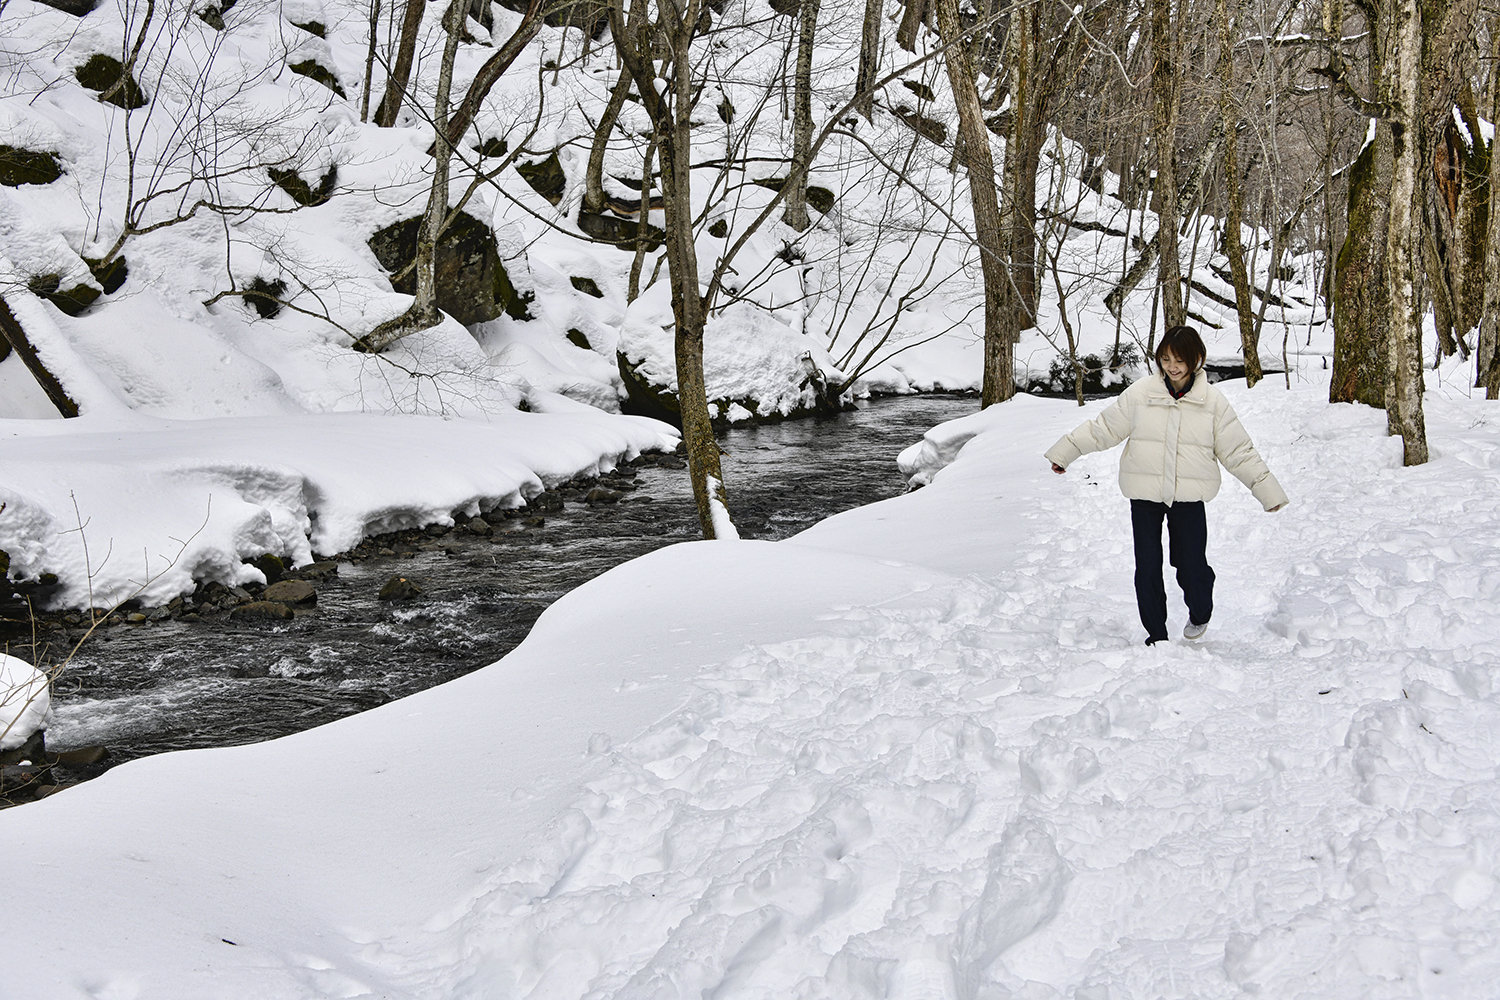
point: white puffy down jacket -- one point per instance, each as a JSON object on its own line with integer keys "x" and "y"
{"x": 1173, "y": 447}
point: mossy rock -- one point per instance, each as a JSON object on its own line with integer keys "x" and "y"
{"x": 72, "y": 301}
{"x": 318, "y": 73}
{"x": 302, "y": 192}
{"x": 577, "y": 339}
{"x": 587, "y": 286}
{"x": 645, "y": 398}
{"x": 312, "y": 28}
{"x": 719, "y": 229}
{"x": 102, "y": 72}
{"x": 78, "y": 8}
{"x": 923, "y": 92}
{"x": 472, "y": 283}
{"x": 27, "y": 166}
{"x": 785, "y": 6}
{"x": 623, "y": 233}
{"x": 726, "y": 111}
{"x": 270, "y": 565}
{"x": 819, "y": 198}
{"x": 928, "y": 128}
{"x": 492, "y": 148}
{"x": 546, "y": 177}
{"x": 110, "y": 275}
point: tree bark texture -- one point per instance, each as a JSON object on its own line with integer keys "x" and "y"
{"x": 1487, "y": 350}
{"x": 1164, "y": 94}
{"x": 1401, "y": 90}
{"x": 400, "y": 74}
{"x": 802, "y": 124}
{"x": 869, "y": 60}
{"x": 999, "y": 359}
{"x": 670, "y": 108}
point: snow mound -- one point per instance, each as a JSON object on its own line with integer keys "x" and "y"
{"x": 25, "y": 701}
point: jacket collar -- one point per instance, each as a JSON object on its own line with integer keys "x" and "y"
{"x": 1159, "y": 394}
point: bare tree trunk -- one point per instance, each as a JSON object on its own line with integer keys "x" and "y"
{"x": 1401, "y": 90}
{"x": 364, "y": 95}
{"x": 999, "y": 360}
{"x": 802, "y": 125}
{"x": 400, "y": 74}
{"x": 593, "y": 177}
{"x": 1022, "y": 157}
{"x": 869, "y": 60}
{"x": 424, "y": 312}
{"x": 670, "y": 110}
{"x": 493, "y": 69}
{"x": 633, "y": 288}
{"x": 911, "y": 19}
{"x": 1234, "y": 249}
{"x": 1164, "y": 138}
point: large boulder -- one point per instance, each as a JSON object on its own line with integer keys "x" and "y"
{"x": 472, "y": 284}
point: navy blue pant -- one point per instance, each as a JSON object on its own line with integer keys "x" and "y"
{"x": 1187, "y": 528}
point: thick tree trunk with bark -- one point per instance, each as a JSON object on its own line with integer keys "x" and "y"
{"x": 1164, "y": 93}
{"x": 802, "y": 124}
{"x": 1401, "y": 90}
{"x": 1487, "y": 352}
{"x": 999, "y": 360}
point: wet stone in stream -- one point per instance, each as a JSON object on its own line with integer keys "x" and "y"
{"x": 204, "y": 671}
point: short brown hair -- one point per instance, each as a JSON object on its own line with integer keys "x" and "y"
{"x": 1184, "y": 342}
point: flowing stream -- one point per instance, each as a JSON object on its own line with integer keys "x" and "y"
{"x": 175, "y": 685}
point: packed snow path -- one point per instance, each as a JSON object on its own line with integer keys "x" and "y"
{"x": 948, "y": 768}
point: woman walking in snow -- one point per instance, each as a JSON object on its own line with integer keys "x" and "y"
{"x": 1176, "y": 429}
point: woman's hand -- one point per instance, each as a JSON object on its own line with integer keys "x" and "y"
{"x": 1058, "y": 469}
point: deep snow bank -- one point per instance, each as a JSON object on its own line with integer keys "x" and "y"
{"x": 916, "y": 751}
{"x": 160, "y": 504}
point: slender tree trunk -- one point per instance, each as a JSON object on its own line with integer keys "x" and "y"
{"x": 802, "y": 124}
{"x": 869, "y": 60}
{"x": 593, "y": 177}
{"x": 633, "y": 287}
{"x": 670, "y": 110}
{"x": 400, "y": 74}
{"x": 493, "y": 69}
{"x": 1023, "y": 150}
{"x": 1164, "y": 137}
{"x": 999, "y": 360}
{"x": 1234, "y": 249}
{"x": 364, "y": 94}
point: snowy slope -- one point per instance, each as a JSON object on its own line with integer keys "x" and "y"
{"x": 916, "y": 751}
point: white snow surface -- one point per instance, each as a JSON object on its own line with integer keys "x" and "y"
{"x": 916, "y": 751}
{"x": 25, "y": 701}
{"x": 162, "y": 503}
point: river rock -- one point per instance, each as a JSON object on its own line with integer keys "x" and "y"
{"x": 292, "y": 592}
{"x": 316, "y": 572}
{"x": 601, "y": 495}
{"x": 400, "y": 588}
{"x": 480, "y": 527}
{"x": 270, "y": 610}
{"x": 551, "y": 501}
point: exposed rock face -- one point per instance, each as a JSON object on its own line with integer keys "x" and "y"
{"x": 623, "y": 233}
{"x": 472, "y": 284}
{"x": 73, "y": 300}
{"x": 292, "y": 592}
{"x": 318, "y": 73}
{"x": 27, "y": 166}
{"x": 102, "y": 72}
{"x": 265, "y": 610}
{"x": 300, "y": 191}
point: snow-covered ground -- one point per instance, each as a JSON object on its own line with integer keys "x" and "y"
{"x": 917, "y": 751}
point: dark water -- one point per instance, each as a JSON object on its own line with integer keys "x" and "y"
{"x": 173, "y": 685}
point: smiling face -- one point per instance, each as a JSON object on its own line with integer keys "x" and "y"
{"x": 1177, "y": 369}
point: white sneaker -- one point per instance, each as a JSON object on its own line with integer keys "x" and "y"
{"x": 1192, "y": 631}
